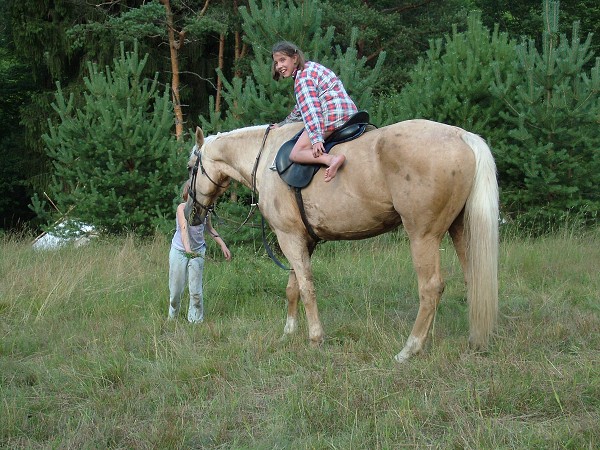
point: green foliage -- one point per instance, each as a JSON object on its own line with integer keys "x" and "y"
{"x": 202, "y": 27}
{"x": 97, "y": 38}
{"x": 39, "y": 35}
{"x": 525, "y": 19}
{"x": 54, "y": 40}
{"x": 146, "y": 23}
{"x": 116, "y": 164}
{"x": 401, "y": 28}
{"x": 258, "y": 98}
{"x": 452, "y": 83}
{"x": 550, "y": 161}
{"x": 15, "y": 88}
{"x": 145, "y": 20}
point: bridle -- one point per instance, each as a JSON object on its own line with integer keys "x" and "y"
{"x": 192, "y": 188}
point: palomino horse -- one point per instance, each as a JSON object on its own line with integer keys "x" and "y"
{"x": 429, "y": 177}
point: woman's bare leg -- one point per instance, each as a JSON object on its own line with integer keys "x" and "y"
{"x": 334, "y": 165}
{"x": 303, "y": 153}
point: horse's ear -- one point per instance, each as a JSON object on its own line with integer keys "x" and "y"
{"x": 199, "y": 137}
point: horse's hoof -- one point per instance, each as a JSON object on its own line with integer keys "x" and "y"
{"x": 479, "y": 351}
{"x": 412, "y": 347}
{"x": 285, "y": 337}
{"x": 316, "y": 343}
{"x": 290, "y": 326}
{"x": 401, "y": 358}
{"x": 478, "y": 348}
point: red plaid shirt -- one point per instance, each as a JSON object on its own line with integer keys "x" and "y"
{"x": 321, "y": 101}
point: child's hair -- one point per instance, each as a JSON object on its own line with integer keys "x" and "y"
{"x": 288, "y": 49}
{"x": 184, "y": 190}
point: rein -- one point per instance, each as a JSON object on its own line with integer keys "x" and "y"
{"x": 253, "y": 203}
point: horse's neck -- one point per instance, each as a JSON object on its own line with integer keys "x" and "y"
{"x": 239, "y": 153}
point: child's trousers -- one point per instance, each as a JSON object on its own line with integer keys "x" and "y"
{"x": 182, "y": 270}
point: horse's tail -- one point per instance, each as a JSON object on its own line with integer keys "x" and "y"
{"x": 481, "y": 233}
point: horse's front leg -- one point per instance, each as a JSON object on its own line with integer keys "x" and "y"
{"x": 301, "y": 285}
{"x": 426, "y": 260}
{"x": 309, "y": 298}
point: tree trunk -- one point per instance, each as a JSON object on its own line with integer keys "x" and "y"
{"x": 174, "y": 46}
{"x": 221, "y": 66}
{"x": 240, "y": 50}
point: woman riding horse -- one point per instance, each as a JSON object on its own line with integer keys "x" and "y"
{"x": 321, "y": 102}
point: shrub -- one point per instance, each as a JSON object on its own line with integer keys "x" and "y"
{"x": 116, "y": 163}
{"x": 550, "y": 164}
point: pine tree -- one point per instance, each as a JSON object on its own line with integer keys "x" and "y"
{"x": 452, "y": 83}
{"x": 550, "y": 163}
{"x": 115, "y": 159}
{"x": 258, "y": 99}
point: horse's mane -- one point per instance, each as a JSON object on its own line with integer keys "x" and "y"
{"x": 221, "y": 134}
{"x": 236, "y": 131}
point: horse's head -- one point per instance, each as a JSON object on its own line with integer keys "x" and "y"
{"x": 207, "y": 180}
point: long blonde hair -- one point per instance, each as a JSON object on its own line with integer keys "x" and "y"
{"x": 184, "y": 190}
{"x": 288, "y": 49}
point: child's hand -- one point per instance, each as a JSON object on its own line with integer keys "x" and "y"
{"x": 226, "y": 252}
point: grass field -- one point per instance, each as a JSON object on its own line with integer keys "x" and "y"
{"x": 88, "y": 359}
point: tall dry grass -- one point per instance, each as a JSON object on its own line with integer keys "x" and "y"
{"x": 88, "y": 359}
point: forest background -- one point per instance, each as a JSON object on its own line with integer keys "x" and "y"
{"x": 98, "y": 98}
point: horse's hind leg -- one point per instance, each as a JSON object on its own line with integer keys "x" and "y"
{"x": 426, "y": 259}
{"x": 457, "y": 234}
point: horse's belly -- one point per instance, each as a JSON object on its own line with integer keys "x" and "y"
{"x": 354, "y": 223}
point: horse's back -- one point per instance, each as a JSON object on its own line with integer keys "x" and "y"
{"x": 414, "y": 155}
{"x": 418, "y": 140}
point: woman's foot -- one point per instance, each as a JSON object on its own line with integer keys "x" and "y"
{"x": 336, "y": 163}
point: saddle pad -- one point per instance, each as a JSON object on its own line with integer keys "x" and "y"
{"x": 297, "y": 175}
{"x": 282, "y": 160}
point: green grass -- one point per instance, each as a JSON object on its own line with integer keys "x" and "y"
{"x": 88, "y": 359}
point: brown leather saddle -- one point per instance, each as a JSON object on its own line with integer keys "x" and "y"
{"x": 300, "y": 175}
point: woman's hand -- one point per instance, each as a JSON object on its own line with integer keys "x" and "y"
{"x": 318, "y": 149}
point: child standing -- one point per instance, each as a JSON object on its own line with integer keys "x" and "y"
{"x": 186, "y": 262}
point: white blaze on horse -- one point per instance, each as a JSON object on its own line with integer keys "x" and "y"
{"x": 428, "y": 177}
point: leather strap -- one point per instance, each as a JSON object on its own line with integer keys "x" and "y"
{"x": 268, "y": 247}
{"x": 309, "y": 228}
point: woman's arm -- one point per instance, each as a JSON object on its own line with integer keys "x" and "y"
{"x": 292, "y": 117}
{"x": 307, "y": 96}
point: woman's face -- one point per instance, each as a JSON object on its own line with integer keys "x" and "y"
{"x": 284, "y": 64}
